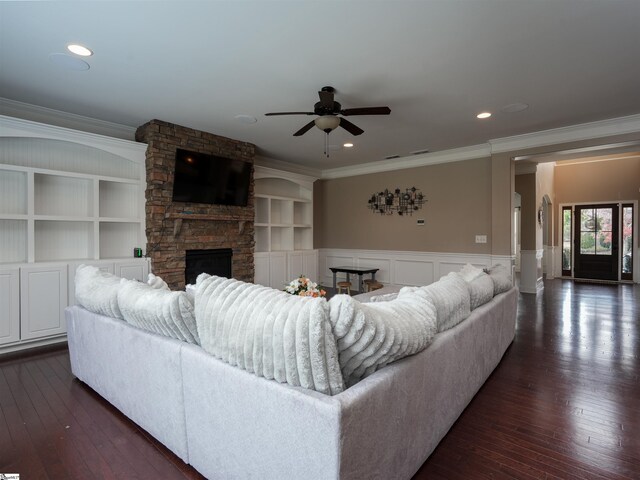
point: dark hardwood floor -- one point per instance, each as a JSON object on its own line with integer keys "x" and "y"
{"x": 564, "y": 403}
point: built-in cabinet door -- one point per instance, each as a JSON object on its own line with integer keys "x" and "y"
{"x": 9, "y": 305}
{"x": 43, "y": 298}
{"x": 278, "y": 270}
{"x": 135, "y": 270}
{"x": 310, "y": 264}
{"x": 261, "y": 264}
{"x": 303, "y": 262}
{"x": 295, "y": 262}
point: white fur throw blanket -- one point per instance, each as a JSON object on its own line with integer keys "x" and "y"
{"x": 97, "y": 291}
{"x": 450, "y": 296}
{"x": 158, "y": 310}
{"x": 269, "y": 333}
{"x": 371, "y": 335}
{"x": 501, "y": 277}
{"x": 480, "y": 290}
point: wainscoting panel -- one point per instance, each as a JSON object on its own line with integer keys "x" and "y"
{"x": 383, "y": 264}
{"x": 413, "y": 272}
{"x": 401, "y": 267}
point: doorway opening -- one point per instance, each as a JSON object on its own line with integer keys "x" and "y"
{"x": 597, "y": 241}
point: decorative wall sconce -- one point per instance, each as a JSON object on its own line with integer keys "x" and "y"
{"x": 388, "y": 203}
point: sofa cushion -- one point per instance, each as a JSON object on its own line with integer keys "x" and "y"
{"x": 268, "y": 332}
{"x": 450, "y": 296}
{"x": 158, "y": 310}
{"x": 501, "y": 277}
{"x": 480, "y": 290}
{"x": 371, "y": 335}
{"x": 97, "y": 291}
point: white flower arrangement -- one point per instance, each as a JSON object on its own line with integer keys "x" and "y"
{"x": 304, "y": 287}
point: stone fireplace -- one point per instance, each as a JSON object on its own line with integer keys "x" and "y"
{"x": 175, "y": 228}
{"x": 214, "y": 261}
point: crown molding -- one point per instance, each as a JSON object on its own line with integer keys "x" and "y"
{"x": 261, "y": 171}
{"x": 573, "y": 133}
{"x": 35, "y": 113}
{"x": 312, "y": 174}
{"x": 422, "y": 160}
{"x": 17, "y": 127}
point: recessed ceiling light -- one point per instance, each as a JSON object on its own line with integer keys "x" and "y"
{"x": 484, "y": 115}
{"x": 514, "y": 107}
{"x": 246, "y": 119}
{"x": 348, "y": 145}
{"x": 79, "y": 50}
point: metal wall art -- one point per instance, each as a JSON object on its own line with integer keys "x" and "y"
{"x": 390, "y": 202}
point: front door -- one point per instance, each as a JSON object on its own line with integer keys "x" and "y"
{"x": 596, "y": 242}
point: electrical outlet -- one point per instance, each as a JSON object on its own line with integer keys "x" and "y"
{"x": 481, "y": 239}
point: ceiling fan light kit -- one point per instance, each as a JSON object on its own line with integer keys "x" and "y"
{"x": 326, "y": 123}
{"x": 327, "y": 110}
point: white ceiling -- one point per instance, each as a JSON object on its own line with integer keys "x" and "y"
{"x": 436, "y": 64}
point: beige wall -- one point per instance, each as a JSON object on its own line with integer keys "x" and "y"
{"x": 614, "y": 180}
{"x": 467, "y": 198}
{"x": 502, "y": 188}
{"x": 525, "y": 185}
{"x": 459, "y": 207}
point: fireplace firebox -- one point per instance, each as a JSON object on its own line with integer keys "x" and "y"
{"x": 212, "y": 261}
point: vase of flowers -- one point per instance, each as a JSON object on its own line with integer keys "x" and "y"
{"x": 304, "y": 287}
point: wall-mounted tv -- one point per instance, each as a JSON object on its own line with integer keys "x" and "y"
{"x": 203, "y": 178}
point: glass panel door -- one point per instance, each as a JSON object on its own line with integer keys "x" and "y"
{"x": 627, "y": 242}
{"x": 596, "y": 254}
{"x": 567, "y": 223}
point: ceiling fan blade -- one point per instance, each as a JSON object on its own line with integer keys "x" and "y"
{"x": 289, "y": 113}
{"x": 366, "y": 111}
{"x": 326, "y": 98}
{"x": 350, "y": 127}
{"x": 305, "y": 129}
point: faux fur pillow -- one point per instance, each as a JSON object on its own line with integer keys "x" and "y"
{"x": 480, "y": 290}
{"x": 268, "y": 332}
{"x": 97, "y": 291}
{"x": 158, "y": 310}
{"x": 157, "y": 282}
{"x": 450, "y": 296}
{"x": 501, "y": 277}
{"x": 372, "y": 335}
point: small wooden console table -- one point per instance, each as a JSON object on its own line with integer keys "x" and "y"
{"x": 355, "y": 271}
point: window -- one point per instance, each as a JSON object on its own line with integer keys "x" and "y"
{"x": 627, "y": 242}
{"x": 567, "y": 222}
{"x": 596, "y": 231}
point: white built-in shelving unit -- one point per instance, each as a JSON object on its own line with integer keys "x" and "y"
{"x": 283, "y": 226}
{"x": 66, "y": 197}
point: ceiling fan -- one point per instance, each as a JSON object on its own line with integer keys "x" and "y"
{"x": 328, "y": 110}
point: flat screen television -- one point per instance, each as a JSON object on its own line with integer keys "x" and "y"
{"x": 203, "y": 178}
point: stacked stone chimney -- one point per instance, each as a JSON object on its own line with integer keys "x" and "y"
{"x": 173, "y": 228}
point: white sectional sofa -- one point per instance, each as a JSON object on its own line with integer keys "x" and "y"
{"x": 229, "y": 423}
